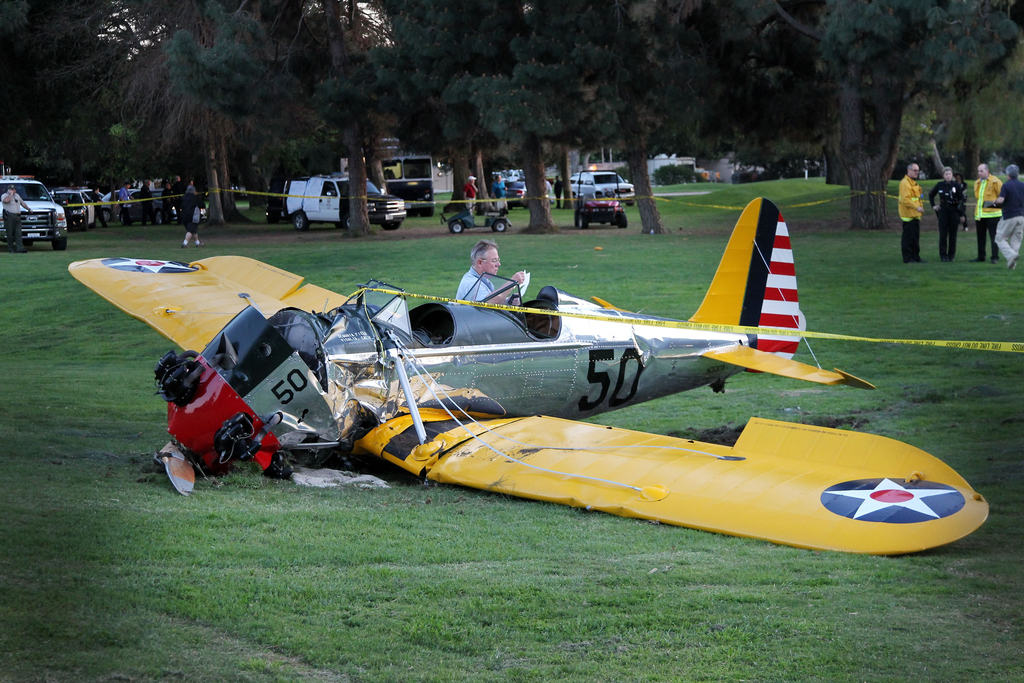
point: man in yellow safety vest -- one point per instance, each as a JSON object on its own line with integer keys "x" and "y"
{"x": 911, "y": 207}
{"x": 986, "y": 218}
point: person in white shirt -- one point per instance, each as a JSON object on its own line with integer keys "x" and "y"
{"x": 476, "y": 285}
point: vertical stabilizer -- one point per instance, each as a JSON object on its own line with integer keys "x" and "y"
{"x": 755, "y": 284}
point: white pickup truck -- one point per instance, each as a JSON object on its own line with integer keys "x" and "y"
{"x": 324, "y": 199}
{"x": 44, "y": 221}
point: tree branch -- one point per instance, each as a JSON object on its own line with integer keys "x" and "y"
{"x": 811, "y": 33}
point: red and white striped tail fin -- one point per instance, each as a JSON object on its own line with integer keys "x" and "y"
{"x": 755, "y": 285}
{"x": 781, "y": 305}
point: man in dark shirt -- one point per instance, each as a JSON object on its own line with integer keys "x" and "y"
{"x": 1011, "y": 225}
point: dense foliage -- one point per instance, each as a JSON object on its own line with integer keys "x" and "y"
{"x": 234, "y": 93}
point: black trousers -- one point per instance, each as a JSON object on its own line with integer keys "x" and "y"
{"x": 986, "y": 228}
{"x": 148, "y": 213}
{"x": 949, "y": 223}
{"x": 911, "y": 241}
{"x": 126, "y": 217}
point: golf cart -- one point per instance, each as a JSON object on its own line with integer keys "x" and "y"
{"x": 598, "y": 211}
{"x": 462, "y": 221}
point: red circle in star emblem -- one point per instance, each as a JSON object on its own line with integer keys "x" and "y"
{"x": 892, "y": 496}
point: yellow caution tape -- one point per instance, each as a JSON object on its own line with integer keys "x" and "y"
{"x": 1007, "y": 347}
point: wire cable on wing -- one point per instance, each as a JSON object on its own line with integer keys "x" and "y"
{"x": 417, "y": 366}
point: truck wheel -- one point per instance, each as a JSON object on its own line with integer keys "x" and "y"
{"x": 427, "y": 212}
{"x": 346, "y": 221}
{"x": 273, "y": 218}
{"x": 456, "y": 227}
{"x": 60, "y": 244}
{"x": 499, "y": 225}
{"x": 391, "y": 225}
{"x": 158, "y": 217}
{"x": 300, "y": 222}
{"x": 622, "y": 221}
{"x": 106, "y": 216}
{"x": 584, "y": 221}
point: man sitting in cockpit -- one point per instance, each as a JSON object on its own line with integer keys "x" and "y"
{"x": 477, "y": 285}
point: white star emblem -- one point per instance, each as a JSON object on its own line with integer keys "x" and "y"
{"x": 888, "y": 493}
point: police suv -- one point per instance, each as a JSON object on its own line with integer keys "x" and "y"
{"x": 42, "y": 220}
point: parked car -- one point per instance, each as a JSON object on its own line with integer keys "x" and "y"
{"x": 110, "y": 208}
{"x": 78, "y": 206}
{"x": 602, "y": 185}
{"x": 43, "y": 220}
{"x": 601, "y": 212}
{"x": 516, "y": 194}
{"x": 324, "y": 199}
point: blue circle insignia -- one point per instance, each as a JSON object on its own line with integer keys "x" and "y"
{"x": 892, "y": 501}
{"x": 141, "y": 265}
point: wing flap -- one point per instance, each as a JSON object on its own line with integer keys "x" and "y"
{"x": 775, "y": 484}
{"x": 189, "y": 303}
{"x": 762, "y": 361}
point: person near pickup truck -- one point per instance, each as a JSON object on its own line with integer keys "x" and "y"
{"x": 124, "y": 196}
{"x": 191, "y": 204}
{"x": 13, "y": 205}
{"x": 148, "y": 212}
{"x": 469, "y": 189}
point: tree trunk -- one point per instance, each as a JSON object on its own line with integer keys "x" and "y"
{"x": 565, "y": 173}
{"x": 227, "y": 196}
{"x": 870, "y": 112}
{"x": 216, "y": 211}
{"x": 650, "y": 217}
{"x": 835, "y": 170}
{"x": 536, "y": 187}
{"x": 936, "y": 158}
{"x": 483, "y": 194}
{"x": 358, "y": 216}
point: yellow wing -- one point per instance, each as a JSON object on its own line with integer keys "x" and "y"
{"x": 753, "y": 359}
{"x": 794, "y": 484}
{"x": 189, "y": 303}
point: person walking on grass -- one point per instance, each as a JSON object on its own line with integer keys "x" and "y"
{"x": 191, "y": 204}
{"x": 1011, "y": 226}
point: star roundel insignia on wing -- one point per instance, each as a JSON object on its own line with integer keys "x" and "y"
{"x": 148, "y": 265}
{"x": 893, "y": 502}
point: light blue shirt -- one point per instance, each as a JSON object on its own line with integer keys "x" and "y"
{"x": 474, "y": 288}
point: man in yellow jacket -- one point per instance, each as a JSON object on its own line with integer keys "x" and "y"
{"x": 986, "y": 218}
{"x": 911, "y": 209}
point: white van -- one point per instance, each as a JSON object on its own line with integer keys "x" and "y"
{"x": 324, "y": 199}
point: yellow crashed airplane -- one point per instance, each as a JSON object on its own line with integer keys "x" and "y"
{"x": 491, "y": 397}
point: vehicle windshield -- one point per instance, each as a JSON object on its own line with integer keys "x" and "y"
{"x": 372, "y": 189}
{"x": 417, "y": 169}
{"x": 31, "y": 192}
{"x": 65, "y": 198}
{"x": 607, "y": 179}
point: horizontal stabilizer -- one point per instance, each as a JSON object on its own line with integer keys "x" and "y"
{"x": 794, "y": 484}
{"x": 189, "y": 303}
{"x": 762, "y": 361}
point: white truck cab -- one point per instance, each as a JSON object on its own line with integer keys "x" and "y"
{"x": 602, "y": 185}
{"x": 324, "y": 199}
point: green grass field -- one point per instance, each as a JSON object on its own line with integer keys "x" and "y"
{"x": 107, "y": 575}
